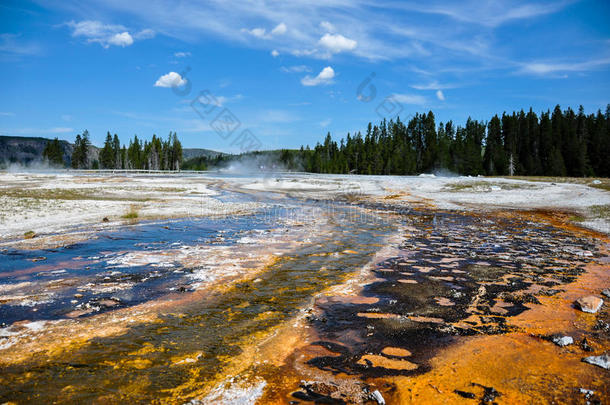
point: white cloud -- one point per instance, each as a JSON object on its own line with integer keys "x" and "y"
{"x": 275, "y": 53}
{"x": 326, "y": 26}
{"x": 541, "y": 68}
{"x": 123, "y": 39}
{"x": 256, "y": 32}
{"x": 409, "y": 98}
{"x": 182, "y": 54}
{"x": 336, "y": 43}
{"x": 296, "y": 69}
{"x": 440, "y": 95}
{"x": 434, "y": 85}
{"x": 303, "y": 52}
{"x": 324, "y": 77}
{"x": 145, "y": 34}
{"x": 280, "y": 29}
{"x": 261, "y": 33}
{"x": 7, "y": 114}
{"x": 11, "y": 46}
{"x": 223, "y": 100}
{"x": 172, "y": 79}
{"x": 325, "y": 123}
{"x": 107, "y": 34}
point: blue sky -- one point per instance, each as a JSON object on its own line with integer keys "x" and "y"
{"x": 290, "y": 71}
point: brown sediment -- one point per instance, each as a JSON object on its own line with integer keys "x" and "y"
{"x": 520, "y": 365}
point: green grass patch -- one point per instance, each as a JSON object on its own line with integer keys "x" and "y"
{"x": 64, "y": 194}
{"x": 485, "y": 186}
{"x": 600, "y": 211}
{"x": 132, "y": 213}
{"x": 595, "y": 182}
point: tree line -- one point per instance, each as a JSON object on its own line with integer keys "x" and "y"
{"x": 154, "y": 155}
{"x": 557, "y": 143}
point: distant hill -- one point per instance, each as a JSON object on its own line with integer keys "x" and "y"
{"x": 190, "y": 153}
{"x": 28, "y": 150}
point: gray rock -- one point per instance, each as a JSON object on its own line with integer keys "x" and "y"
{"x": 378, "y": 397}
{"x": 587, "y": 393}
{"x": 606, "y": 292}
{"x": 590, "y": 304}
{"x": 602, "y": 361}
{"x": 563, "y": 340}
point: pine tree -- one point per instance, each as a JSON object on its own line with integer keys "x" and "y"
{"x": 76, "y": 152}
{"x": 106, "y": 156}
{"x": 53, "y": 153}
{"x": 116, "y": 152}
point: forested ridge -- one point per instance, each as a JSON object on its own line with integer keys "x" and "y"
{"x": 154, "y": 155}
{"x": 557, "y": 143}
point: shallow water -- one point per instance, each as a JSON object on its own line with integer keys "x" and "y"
{"x": 186, "y": 350}
{"x": 98, "y": 262}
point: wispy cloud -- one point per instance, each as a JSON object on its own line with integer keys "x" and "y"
{"x": 107, "y": 34}
{"x": 7, "y": 114}
{"x": 409, "y": 98}
{"x": 277, "y": 116}
{"x": 39, "y": 131}
{"x": 12, "y": 46}
{"x": 487, "y": 13}
{"x": 434, "y": 85}
{"x": 296, "y": 69}
{"x": 542, "y": 68}
{"x": 182, "y": 54}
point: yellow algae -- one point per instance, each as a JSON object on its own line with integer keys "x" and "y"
{"x": 445, "y": 302}
{"x": 380, "y": 361}
{"x": 396, "y": 351}
{"x": 407, "y": 281}
{"x": 425, "y": 319}
{"x": 139, "y": 364}
{"x": 378, "y": 315}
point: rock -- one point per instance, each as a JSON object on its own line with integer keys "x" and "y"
{"x": 585, "y": 345}
{"x": 465, "y": 394}
{"x": 105, "y": 219}
{"x": 29, "y": 235}
{"x": 602, "y": 325}
{"x": 590, "y": 304}
{"x": 606, "y": 292}
{"x": 376, "y": 395}
{"x": 587, "y": 393}
{"x": 562, "y": 341}
{"x": 602, "y": 361}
